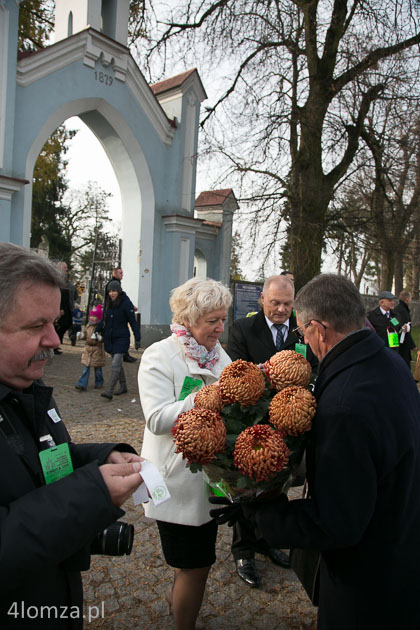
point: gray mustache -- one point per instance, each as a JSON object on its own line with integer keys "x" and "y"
{"x": 42, "y": 355}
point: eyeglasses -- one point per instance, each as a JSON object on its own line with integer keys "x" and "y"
{"x": 305, "y": 326}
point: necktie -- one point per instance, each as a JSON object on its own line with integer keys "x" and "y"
{"x": 279, "y": 337}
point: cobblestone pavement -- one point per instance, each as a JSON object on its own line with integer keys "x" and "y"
{"x": 128, "y": 592}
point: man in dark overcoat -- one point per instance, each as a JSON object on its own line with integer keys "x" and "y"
{"x": 363, "y": 470}
{"x": 385, "y": 320}
{"x": 256, "y": 339}
{"x": 402, "y": 311}
{"x": 49, "y": 515}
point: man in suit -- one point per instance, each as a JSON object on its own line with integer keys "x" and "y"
{"x": 256, "y": 339}
{"x": 404, "y": 316}
{"x": 385, "y": 320}
{"x": 363, "y": 470}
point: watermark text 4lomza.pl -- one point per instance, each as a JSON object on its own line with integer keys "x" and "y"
{"x": 19, "y": 610}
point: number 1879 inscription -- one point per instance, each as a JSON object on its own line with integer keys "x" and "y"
{"x": 103, "y": 78}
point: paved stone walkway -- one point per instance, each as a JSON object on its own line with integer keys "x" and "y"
{"x": 128, "y": 592}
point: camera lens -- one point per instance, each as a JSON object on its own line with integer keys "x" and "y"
{"x": 115, "y": 540}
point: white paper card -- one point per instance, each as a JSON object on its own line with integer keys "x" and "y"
{"x": 141, "y": 495}
{"x": 54, "y": 415}
{"x": 155, "y": 485}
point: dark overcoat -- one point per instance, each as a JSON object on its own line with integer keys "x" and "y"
{"x": 404, "y": 316}
{"x": 382, "y": 324}
{"x": 250, "y": 339}
{"x": 46, "y": 530}
{"x": 114, "y": 326}
{"x": 363, "y": 469}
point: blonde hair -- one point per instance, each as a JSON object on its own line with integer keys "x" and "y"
{"x": 195, "y": 298}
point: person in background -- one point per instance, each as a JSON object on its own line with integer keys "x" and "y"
{"x": 46, "y": 529}
{"x": 404, "y": 317}
{"x": 68, "y": 295}
{"x": 118, "y": 314}
{"x": 117, "y": 275}
{"x": 93, "y": 354}
{"x": 363, "y": 470}
{"x": 170, "y": 373}
{"x": 288, "y": 274}
{"x": 77, "y": 323}
{"x": 385, "y": 320}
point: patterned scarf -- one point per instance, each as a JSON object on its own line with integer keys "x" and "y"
{"x": 193, "y": 350}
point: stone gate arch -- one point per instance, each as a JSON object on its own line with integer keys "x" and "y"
{"x": 150, "y": 134}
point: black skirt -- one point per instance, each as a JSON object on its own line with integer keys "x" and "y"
{"x": 186, "y": 546}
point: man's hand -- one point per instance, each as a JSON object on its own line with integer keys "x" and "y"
{"x": 118, "y": 457}
{"x": 230, "y": 513}
{"x": 121, "y": 480}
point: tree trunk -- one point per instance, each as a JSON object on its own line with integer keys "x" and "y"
{"x": 387, "y": 270}
{"x": 399, "y": 273}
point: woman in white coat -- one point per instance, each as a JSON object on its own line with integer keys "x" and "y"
{"x": 171, "y": 371}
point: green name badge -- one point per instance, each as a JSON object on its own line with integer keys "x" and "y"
{"x": 300, "y": 348}
{"x": 190, "y": 386}
{"x": 394, "y": 321}
{"x": 393, "y": 341}
{"x": 56, "y": 463}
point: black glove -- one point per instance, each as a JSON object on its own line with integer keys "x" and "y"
{"x": 230, "y": 513}
{"x": 137, "y": 345}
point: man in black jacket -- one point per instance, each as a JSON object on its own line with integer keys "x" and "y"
{"x": 55, "y": 496}
{"x": 256, "y": 339}
{"x": 385, "y": 320}
{"x": 363, "y": 470}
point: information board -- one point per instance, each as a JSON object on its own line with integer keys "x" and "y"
{"x": 246, "y": 296}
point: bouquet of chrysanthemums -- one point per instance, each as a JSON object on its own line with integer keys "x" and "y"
{"x": 248, "y": 432}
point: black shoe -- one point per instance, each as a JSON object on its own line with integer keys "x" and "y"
{"x": 247, "y": 571}
{"x": 105, "y": 395}
{"x": 129, "y": 359}
{"x": 82, "y": 389}
{"x": 98, "y": 386}
{"x": 279, "y": 557}
{"x": 58, "y": 351}
{"x": 122, "y": 390}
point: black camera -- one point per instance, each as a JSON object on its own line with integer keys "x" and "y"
{"x": 115, "y": 540}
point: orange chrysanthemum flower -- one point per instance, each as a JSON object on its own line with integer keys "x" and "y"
{"x": 241, "y": 382}
{"x": 199, "y": 435}
{"x": 288, "y": 368}
{"x": 209, "y": 397}
{"x": 260, "y": 452}
{"x": 292, "y": 410}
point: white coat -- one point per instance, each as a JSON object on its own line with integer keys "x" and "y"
{"x": 162, "y": 372}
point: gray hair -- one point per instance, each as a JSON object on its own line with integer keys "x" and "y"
{"x": 197, "y": 297}
{"x": 20, "y": 266}
{"x": 333, "y": 299}
{"x": 281, "y": 280}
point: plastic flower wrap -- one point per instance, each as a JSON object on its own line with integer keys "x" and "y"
{"x": 266, "y": 412}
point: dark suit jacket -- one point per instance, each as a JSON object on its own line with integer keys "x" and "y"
{"x": 381, "y": 323}
{"x": 250, "y": 339}
{"x": 363, "y": 470}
